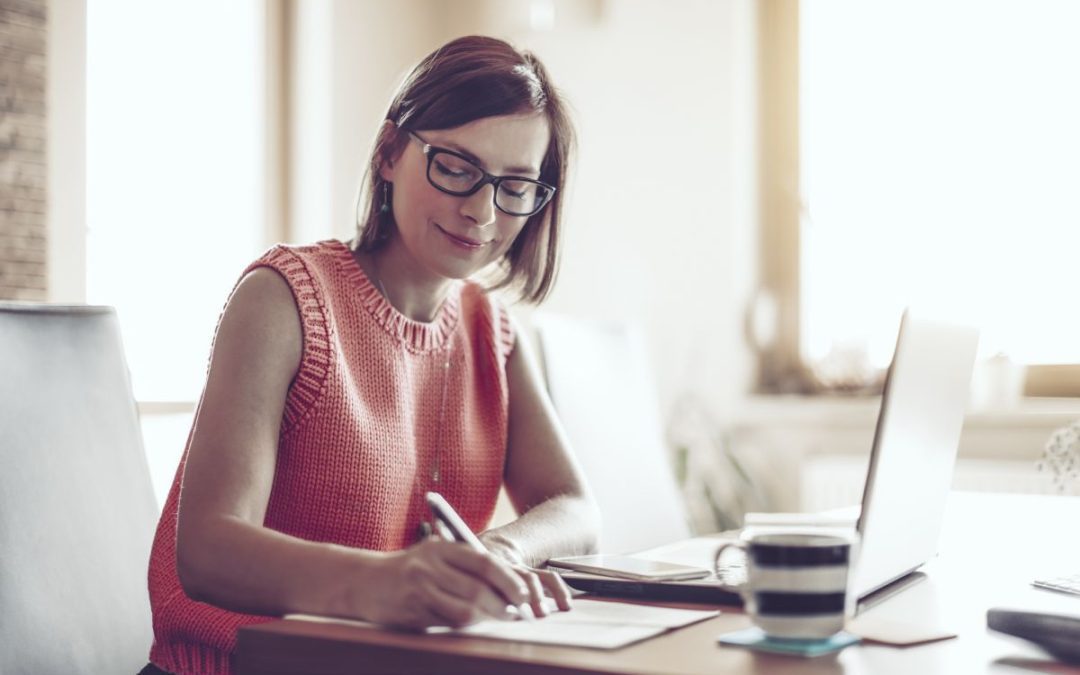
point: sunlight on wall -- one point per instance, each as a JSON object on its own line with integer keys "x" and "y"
{"x": 940, "y": 165}
{"x": 175, "y": 116}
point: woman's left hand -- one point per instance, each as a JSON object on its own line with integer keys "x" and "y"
{"x": 538, "y": 582}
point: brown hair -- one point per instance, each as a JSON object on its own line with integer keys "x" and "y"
{"x": 465, "y": 80}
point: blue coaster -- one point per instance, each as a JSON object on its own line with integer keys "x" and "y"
{"x": 755, "y": 638}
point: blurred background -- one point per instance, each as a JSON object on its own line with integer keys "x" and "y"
{"x": 762, "y": 187}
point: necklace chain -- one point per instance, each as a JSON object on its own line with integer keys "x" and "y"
{"x": 437, "y": 461}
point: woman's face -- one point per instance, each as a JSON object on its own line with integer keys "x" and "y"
{"x": 451, "y": 236}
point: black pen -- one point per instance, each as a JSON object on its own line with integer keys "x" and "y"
{"x": 446, "y": 516}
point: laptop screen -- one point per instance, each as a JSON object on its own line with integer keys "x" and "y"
{"x": 914, "y": 453}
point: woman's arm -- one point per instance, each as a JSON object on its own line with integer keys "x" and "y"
{"x": 224, "y": 554}
{"x": 544, "y": 482}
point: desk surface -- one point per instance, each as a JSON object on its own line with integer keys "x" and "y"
{"x": 992, "y": 546}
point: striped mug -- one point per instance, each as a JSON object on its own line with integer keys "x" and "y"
{"x": 796, "y": 584}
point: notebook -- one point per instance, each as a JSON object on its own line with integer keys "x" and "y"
{"x": 915, "y": 443}
{"x": 594, "y": 624}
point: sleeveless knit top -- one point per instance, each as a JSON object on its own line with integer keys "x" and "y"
{"x": 359, "y": 436}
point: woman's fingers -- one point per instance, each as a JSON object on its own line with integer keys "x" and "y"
{"x": 536, "y": 590}
{"x": 474, "y": 592}
{"x": 545, "y": 582}
{"x": 490, "y": 570}
{"x": 455, "y": 611}
{"x": 556, "y": 588}
{"x": 430, "y": 606}
{"x": 453, "y": 585}
{"x": 460, "y": 585}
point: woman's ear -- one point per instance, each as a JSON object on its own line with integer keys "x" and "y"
{"x": 388, "y": 152}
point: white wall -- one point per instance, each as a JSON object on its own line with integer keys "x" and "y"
{"x": 66, "y": 191}
{"x": 310, "y": 137}
{"x": 375, "y": 45}
{"x": 347, "y": 59}
{"x": 660, "y": 219}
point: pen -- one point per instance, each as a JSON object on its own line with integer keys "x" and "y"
{"x": 448, "y": 518}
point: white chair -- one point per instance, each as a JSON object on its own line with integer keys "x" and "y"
{"x": 599, "y": 380}
{"x": 77, "y": 512}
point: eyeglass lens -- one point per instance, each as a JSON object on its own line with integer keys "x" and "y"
{"x": 516, "y": 197}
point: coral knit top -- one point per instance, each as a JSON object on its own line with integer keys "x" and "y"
{"x": 359, "y": 436}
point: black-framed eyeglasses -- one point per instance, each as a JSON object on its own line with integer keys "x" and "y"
{"x": 455, "y": 174}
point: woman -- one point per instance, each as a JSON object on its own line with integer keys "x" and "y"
{"x": 349, "y": 379}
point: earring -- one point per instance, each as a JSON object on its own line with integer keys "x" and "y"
{"x": 385, "y": 208}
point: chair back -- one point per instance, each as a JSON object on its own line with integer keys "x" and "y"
{"x": 599, "y": 379}
{"x": 77, "y": 511}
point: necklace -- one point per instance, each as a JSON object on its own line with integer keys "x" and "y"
{"x": 437, "y": 460}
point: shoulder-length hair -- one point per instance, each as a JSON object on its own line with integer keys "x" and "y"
{"x": 468, "y": 79}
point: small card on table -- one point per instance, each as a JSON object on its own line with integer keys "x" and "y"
{"x": 884, "y": 631}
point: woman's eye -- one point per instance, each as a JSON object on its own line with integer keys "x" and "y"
{"x": 448, "y": 171}
{"x": 509, "y": 191}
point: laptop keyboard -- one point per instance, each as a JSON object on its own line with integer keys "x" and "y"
{"x": 1066, "y": 584}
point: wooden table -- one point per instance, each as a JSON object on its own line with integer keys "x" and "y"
{"x": 992, "y": 546}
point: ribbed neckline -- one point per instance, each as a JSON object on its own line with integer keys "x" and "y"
{"x": 417, "y": 336}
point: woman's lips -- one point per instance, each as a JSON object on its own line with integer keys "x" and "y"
{"x": 463, "y": 242}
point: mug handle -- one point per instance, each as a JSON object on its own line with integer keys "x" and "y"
{"x": 739, "y": 544}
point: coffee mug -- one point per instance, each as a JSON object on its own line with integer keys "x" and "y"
{"x": 796, "y": 584}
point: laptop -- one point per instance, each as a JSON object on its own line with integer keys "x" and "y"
{"x": 907, "y": 481}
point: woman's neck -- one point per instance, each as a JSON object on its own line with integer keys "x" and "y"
{"x": 413, "y": 291}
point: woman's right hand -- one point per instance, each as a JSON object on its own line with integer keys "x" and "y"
{"x": 440, "y": 583}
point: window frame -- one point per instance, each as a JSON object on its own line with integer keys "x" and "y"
{"x": 780, "y": 367}
{"x": 72, "y": 286}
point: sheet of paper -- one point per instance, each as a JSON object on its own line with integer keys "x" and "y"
{"x": 591, "y": 623}
{"x": 628, "y": 614}
{"x": 595, "y": 636}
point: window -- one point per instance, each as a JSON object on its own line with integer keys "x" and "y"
{"x": 175, "y": 188}
{"x": 935, "y": 153}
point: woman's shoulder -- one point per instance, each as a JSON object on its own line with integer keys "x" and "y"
{"x": 263, "y": 292}
{"x": 488, "y": 310}
{"x": 313, "y": 272}
{"x": 320, "y": 253}
{"x": 265, "y": 288}
{"x": 277, "y": 287}
{"x": 261, "y": 321}
{"x": 477, "y": 301}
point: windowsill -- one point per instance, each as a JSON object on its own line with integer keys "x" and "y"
{"x": 784, "y": 437}
{"x": 165, "y": 407}
{"x": 841, "y": 412}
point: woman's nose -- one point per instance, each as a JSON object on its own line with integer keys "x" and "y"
{"x": 479, "y": 207}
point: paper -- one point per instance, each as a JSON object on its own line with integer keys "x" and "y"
{"x": 628, "y": 614}
{"x": 591, "y": 623}
{"x": 554, "y": 632}
{"x": 898, "y": 633}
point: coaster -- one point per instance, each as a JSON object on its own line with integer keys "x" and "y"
{"x": 755, "y": 638}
